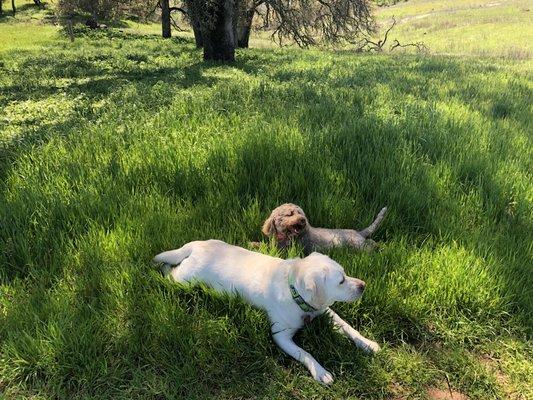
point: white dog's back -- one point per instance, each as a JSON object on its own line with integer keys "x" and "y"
{"x": 224, "y": 267}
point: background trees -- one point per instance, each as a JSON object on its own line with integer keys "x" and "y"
{"x": 220, "y": 26}
{"x": 227, "y": 24}
{"x": 165, "y": 18}
{"x": 309, "y": 22}
{"x": 247, "y": 9}
{"x": 106, "y": 9}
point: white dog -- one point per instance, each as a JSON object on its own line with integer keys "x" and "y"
{"x": 292, "y": 292}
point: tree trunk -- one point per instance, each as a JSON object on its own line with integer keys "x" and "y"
{"x": 165, "y": 18}
{"x": 197, "y": 29}
{"x": 92, "y": 22}
{"x": 243, "y": 37}
{"x": 13, "y": 6}
{"x": 244, "y": 28}
{"x": 219, "y": 41}
{"x": 69, "y": 28}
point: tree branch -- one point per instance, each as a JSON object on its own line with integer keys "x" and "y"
{"x": 157, "y": 5}
{"x": 182, "y": 10}
{"x": 367, "y": 45}
{"x": 421, "y": 47}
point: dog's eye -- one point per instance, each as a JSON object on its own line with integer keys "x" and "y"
{"x": 343, "y": 280}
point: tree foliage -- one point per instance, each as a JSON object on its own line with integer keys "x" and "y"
{"x": 221, "y": 25}
{"x": 105, "y": 8}
{"x": 309, "y": 22}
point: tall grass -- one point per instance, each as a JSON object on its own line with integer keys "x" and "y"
{"x": 464, "y": 27}
{"x": 114, "y": 148}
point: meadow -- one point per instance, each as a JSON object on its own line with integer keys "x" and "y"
{"x": 120, "y": 145}
{"x": 484, "y": 28}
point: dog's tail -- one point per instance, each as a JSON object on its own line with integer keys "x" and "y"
{"x": 368, "y": 231}
{"x": 174, "y": 257}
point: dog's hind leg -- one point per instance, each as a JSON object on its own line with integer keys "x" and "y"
{"x": 177, "y": 263}
{"x": 369, "y": 230}
{"x": 174, "y": 257}
{"x": 185, "y": 271}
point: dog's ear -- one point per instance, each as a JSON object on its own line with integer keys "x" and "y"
{"x": 314, "y": 285}
{"x": 268, "y": 227}
{"x": 299, "y": 210}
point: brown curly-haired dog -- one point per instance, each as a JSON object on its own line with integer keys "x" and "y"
{"x": 288, "y": 222}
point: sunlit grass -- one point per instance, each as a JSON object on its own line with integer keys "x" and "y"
{"x": 29, "y": 37}
{"x": 467, "y": 27}
{"x": 120, "y": 145}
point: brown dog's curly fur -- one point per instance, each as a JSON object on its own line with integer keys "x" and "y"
{"x": 288, "y": 222}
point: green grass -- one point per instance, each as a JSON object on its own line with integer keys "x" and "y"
{"x": 27, "y": 28}
{"x": 464, "y": 27}
{"x": 117, "y": 146}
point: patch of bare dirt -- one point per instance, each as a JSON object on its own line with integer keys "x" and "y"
{"x": 398, "y": 392}
{"x": 448, "y": 11}
{"x": 493, "y": 366}
{"x": 442, "y": 394}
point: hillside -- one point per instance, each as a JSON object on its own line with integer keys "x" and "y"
{"x": 465, "y": 27}
{"x": 486, "y": 28}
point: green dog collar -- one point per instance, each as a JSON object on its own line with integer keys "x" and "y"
{"x": 299, "y": 299}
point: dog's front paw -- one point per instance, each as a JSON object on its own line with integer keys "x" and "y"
{"x": 371, "y": 347}
{"x": 323, "y": 376}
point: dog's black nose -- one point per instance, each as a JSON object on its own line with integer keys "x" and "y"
{"x": 361, "y": 285}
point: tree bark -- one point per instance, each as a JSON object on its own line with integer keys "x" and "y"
{"x": 13, "y": 6}
{"x": 69, "y": 28}
{"x": 165, "y": 18}
{"x": 244, "y": 28}
{"x": 243, "y": 37}
{"x": 198, "y": 38}
{"x": 219, "y": 40}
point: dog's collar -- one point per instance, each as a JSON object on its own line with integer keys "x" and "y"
{"x": 305, "y": 306}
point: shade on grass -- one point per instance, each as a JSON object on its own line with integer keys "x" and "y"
{"x": 115, "y": 148}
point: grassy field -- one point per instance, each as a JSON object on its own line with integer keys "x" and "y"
{"x": 465, "y": 27}
{"x": 118, "y": 146}
{"x": 486, "y": 28}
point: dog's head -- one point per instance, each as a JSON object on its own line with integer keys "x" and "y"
{"x": 321, "y": 281}
{"x": 285, "y": 222}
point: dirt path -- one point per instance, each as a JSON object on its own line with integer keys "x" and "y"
{"x": 447, "y": 11}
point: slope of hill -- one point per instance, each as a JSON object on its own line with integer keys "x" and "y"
{"x": 465, "y": 27}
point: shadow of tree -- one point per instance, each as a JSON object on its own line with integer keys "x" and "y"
{"x": 416, "y": 153}
{"x": 323, "y": 138}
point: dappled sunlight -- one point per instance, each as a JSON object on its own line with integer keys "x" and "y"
{"x": 111, "y": 155}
